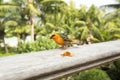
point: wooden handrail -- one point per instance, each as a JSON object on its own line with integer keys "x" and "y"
{"x": 50, "y": 65}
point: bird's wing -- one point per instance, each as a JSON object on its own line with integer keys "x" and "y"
{"x": 66, "y": 39}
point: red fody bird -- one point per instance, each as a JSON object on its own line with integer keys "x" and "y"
{"x": 63, "y": 41}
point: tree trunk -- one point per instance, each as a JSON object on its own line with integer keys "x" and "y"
{"x": 18, "y": 37}
{"x": 32, "y": 23}
{"x": 35, "y": 35}
{"x": 5, "y": 46}
{"x": 32, "y": 28}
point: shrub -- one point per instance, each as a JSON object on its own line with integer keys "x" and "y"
{"x": 92, "y": 74}
{"x": 42, "y": 43}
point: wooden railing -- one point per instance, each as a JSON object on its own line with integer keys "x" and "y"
{"x": 50, "y": 65}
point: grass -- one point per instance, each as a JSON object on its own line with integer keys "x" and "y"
{"x": 6, "y": 54}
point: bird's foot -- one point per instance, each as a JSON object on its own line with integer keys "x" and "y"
{"x": 63, "y": 47}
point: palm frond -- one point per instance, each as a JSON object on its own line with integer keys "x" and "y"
{"x": 9, "y": 8}
{"x": 33, "y": 10}
{"x": 112, "y": 15}
{"x": 52, "y": 1}
{"x": 49, "y": 26}
{"x": 85, "y": 33}
{"x": 10, "y": 23}
{"x": 96, "y": 33}
{"x": 117, "y": 35}
{"x": 80, "y": 23}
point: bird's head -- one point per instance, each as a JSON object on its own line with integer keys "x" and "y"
{"x": 54, "y": 36}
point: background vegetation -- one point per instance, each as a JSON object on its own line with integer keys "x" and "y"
{"x": 40, "y": 18}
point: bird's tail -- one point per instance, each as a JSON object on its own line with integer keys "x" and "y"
{"x": 72, "y": 43}
{"x": 75, "y": 42}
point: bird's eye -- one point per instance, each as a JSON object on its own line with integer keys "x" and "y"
{"x": 52, "y": 36}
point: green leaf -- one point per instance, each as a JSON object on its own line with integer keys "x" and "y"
{"x": 85, "y": 32}
{"x": 117, "y": 35}
{"x": 33, "y": 10}
{"x": 11, "y": 23}
{"x": 80, "y": 23}
{"x": 49, "y": 26}
{"x": 6, "y": 8}
{"x": 96, "y": 33}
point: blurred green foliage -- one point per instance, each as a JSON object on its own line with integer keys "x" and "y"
{"x": 114, "y": 71}
{"x": 42, "y": 43}
{"x": 92, "y": 74}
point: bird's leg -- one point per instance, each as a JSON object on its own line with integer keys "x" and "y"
{"x": 63, "y": 47}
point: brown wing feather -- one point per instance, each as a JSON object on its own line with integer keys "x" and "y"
{"x": 66, "y": 39}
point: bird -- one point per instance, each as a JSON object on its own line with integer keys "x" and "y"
{"x": 61, "y": 40}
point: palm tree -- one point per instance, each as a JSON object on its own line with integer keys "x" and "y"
{"x": 6, "y": 9}
{"x": 29, "y": 10}
{"x": 51, "y": 9}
